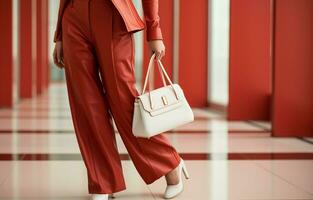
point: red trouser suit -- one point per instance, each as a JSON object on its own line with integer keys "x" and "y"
{"x": 95, "y": 41}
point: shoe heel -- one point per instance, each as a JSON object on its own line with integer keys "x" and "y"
{"x": 185, "y": 171}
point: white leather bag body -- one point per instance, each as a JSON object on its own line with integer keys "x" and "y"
{"x": 161, "y": 109}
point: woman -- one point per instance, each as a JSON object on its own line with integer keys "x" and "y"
{"x": 94, "y": 44}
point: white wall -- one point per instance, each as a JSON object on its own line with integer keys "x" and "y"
{"x": 218, "y": 86}
{"x": 15, "y": 43}
{"x": 218, "y": 51}
{"x": 55, "y": 72}
{"x": 139, "y": 39}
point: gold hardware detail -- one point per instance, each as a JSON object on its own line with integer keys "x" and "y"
{"x": 164, "y": 100}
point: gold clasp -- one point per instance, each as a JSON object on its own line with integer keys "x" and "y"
{"x": 164, "y": 100}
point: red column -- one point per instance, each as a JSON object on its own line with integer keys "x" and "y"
{"x": 250, "y": 60}
{"x": 6, "y": 54}
{"x": 45, "y": 39}
{"x": 293, "y": 68}
{"x": 192, "y": 69}
{"x": 42, "y": 45}
{"x": 26, "y": 49}
{"x": 166, "y": 22}
{"x": 193, "y": 51}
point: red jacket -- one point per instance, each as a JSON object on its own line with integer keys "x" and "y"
{"x": 130, "y": 16}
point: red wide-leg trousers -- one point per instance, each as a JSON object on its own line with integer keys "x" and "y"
{"x": 99, "y": 68}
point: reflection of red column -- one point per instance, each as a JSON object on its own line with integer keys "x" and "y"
{"x": 6, "y": 61}
{"x": 293, "y": 68}
{"x": 26, "y": 46}
{"x": 250, "y": 60}
{"x": 166, "y": 22}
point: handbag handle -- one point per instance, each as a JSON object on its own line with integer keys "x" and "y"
{"x": 150, "y": 65}
{"x": 162, "y": 76}
{"x": 162, "y": 71}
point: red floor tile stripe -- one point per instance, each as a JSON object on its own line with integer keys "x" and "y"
{"x": 186, "y": 156}
{"x": 168, "y": 132}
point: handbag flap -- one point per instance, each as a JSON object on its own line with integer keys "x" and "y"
{"x": 162, "y": 98}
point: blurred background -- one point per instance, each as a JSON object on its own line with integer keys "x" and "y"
{"x": 248, "y": 58}
{"x": 246, "y": 67}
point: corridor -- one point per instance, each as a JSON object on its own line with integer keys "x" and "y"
{"x": 245, "y": 68}
{"x": 40, "y": 159}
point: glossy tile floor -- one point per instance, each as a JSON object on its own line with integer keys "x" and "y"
{"x": 40, "y": 159}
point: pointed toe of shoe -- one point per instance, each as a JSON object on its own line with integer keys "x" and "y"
{"x": 99, "y": 197}
{"x": 172, "y": 191}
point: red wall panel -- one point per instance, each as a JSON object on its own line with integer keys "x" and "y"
{"x": 46, "y": 41}
{"x": 26, "y": 62}
{"x": 39, "y": 48}
{"x": 293, "y": 65}
{"x": 6, "y": 57}
{"x": 250, "y": 60}
{"x": 193, "y": 51}
{"x": 166, "y": 22}
{"x": 42, "y": 46}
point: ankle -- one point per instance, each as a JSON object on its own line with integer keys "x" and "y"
{"x": 172, "y": 178}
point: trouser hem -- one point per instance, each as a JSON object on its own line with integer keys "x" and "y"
{"x": 162, "y": 174}
{"x": 92, "y": 191}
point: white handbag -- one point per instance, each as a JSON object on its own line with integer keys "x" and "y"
{"x": 161, "y": 109}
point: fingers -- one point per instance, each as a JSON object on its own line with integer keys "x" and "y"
{"x": 58, "y": 58}
{"x": 159, "y": 54}
{"x": 55, "y": 59}
{"x": 162, "y": 54}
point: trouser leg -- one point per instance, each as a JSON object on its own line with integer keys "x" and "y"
{"x": 152, "y": 157}
{"x": 89, "y": 105}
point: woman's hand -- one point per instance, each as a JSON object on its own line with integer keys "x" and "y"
{"x": 157, "y": 47}
{"x": 58, "y": 54}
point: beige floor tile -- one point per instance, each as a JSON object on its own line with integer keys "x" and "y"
{"x": 298, "y": 173}
{"x": 225, "y": 180}
{"x": 62, "y": 180}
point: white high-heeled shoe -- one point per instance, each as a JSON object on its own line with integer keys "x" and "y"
{"x": 99, "y": 196}
{"x": 102, "y": 196}
{"x": 173, "y": 190}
